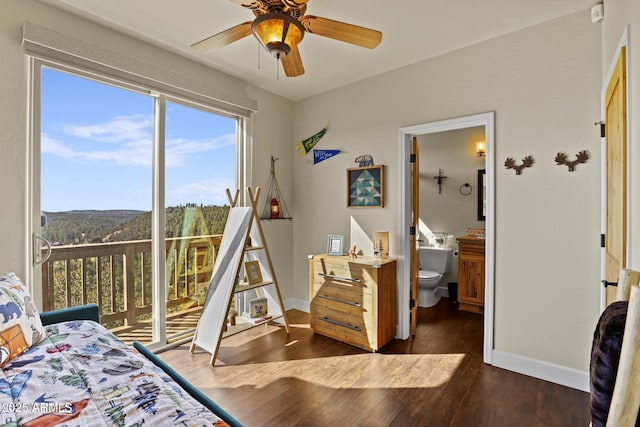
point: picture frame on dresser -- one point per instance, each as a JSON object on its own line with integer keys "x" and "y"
{"x": 334, "y": 244}
{"x": 365, "y": 187}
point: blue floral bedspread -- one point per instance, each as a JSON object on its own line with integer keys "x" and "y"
{"x": 82, "y": 375}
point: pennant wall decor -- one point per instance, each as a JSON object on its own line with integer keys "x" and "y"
{"x": 321, "y": 155}
{"x": 307, "y": 144}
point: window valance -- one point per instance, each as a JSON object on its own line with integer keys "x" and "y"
{"x": 47, "y": 44}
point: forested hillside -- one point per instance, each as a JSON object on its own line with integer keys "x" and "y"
{"x": 93, "y": 226}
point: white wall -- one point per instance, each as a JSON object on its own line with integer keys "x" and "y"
{"x": 272, "y": 125}
{"x": 543, "y": 84}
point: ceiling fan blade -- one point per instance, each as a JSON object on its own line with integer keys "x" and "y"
{"x": 292, "y": 63}
{"x": 225, "y": 37}
{"x": 295, "y": 4}
{"x": 249, "y": 4}
{"x": 337, "y": 30}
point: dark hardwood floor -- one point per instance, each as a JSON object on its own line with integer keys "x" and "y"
{"x": 265, "y": 377}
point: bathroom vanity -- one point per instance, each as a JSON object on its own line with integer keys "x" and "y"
{"x": 471, "y": 273}
{"x": 352, "y": 300}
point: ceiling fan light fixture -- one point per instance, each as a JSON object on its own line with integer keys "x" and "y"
{"x": 277, "y": 32}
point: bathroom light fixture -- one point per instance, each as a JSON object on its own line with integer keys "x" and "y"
{"x": 480, "y": 150}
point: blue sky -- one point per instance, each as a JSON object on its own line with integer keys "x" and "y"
{"x": 96, "y": 145}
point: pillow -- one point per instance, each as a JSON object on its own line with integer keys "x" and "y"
{"x": 20, "y": 326}
{"x": 605, "y": 358}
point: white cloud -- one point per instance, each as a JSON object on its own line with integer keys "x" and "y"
{"x": 129, "y": 140}
{"x": 178, "y": 150}
{"x": 136, "y": 153}
{"x": 119, "y": 129}
{"x": 57, "y": 148}
{"x": 208, "y": 192}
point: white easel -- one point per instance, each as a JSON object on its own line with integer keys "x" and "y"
{"x": 241, "y": 242}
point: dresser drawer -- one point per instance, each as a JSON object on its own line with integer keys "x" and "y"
{"x": 350, "y": 328}
{"x": 341, "y": 274}
{"x": 471, "y": 248}
{"x": 343, "y": 300}
{"x": 330, "y": 284}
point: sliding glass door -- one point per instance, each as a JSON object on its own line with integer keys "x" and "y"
{"x": 112, "y": 165}
{"x": 200, "y": 152}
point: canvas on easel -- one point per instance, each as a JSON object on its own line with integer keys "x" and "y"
{"x": 242, "y": 242}
{"x": 223, "y": 278}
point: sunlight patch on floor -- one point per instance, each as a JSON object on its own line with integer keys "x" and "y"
{"x": 249, "y": 335}
{"x": 353, "y": 371}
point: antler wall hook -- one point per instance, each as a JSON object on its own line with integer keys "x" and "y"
{"x": 581, "y": 157}
{"x": 510, "y": 163}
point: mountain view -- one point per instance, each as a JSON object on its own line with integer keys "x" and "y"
{"x": 102, "y": 226}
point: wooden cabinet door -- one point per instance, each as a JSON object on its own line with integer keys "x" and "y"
{"x": 471, "y": 283}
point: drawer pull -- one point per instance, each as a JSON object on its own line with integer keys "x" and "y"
{"x": 344, "y": 325}
{"x": 355, "y": 304}
{"x": 332, "y": 276}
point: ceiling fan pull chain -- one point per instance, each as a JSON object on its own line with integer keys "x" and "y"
{"x": 259, "y": 48}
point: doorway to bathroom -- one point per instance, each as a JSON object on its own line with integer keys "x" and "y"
{"x": 480, "y": 126}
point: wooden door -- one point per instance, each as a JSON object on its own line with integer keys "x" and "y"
{"x": 415, "y": 219}
{"x": 616, "y": 175}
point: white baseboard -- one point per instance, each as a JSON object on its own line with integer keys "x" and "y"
{"x": 557, "y": 374}
{"x": 297, "y": 304}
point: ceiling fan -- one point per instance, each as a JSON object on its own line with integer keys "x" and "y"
{"x": 281, "y": 24}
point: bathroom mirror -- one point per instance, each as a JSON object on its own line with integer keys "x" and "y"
{"x": 482, "y": 198}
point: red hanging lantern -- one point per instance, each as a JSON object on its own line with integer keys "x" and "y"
{"x": 275, "y": 209}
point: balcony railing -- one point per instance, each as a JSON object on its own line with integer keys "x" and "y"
{"x": 117, "y": 277}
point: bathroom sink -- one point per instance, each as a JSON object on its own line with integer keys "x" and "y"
{"x": 438, "y": 239}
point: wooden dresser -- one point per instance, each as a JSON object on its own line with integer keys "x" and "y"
{"x": 471, "y": 274}
{"x": 352, "y": 301}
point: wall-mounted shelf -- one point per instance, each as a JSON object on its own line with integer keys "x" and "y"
{"x": 274, "y": 193}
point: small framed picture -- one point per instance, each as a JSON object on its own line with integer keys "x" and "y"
{"x": 259, "y": 307}
{"x": 334, "y": 245}
{"x": 252, "y": 269}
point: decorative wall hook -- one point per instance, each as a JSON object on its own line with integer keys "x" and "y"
{"x": 581, "y": 157}
{"x": 364, "y": 160}
{"x": 510, "y": 163}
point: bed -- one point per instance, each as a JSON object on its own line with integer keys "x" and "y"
{"x": 615, "y": 358}
{"x": 64, "y": 368}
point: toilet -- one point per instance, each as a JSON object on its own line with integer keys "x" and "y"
{"x": 434, "y": 263}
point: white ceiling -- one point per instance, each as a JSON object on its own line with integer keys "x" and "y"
{"x": 413, "y": 30}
